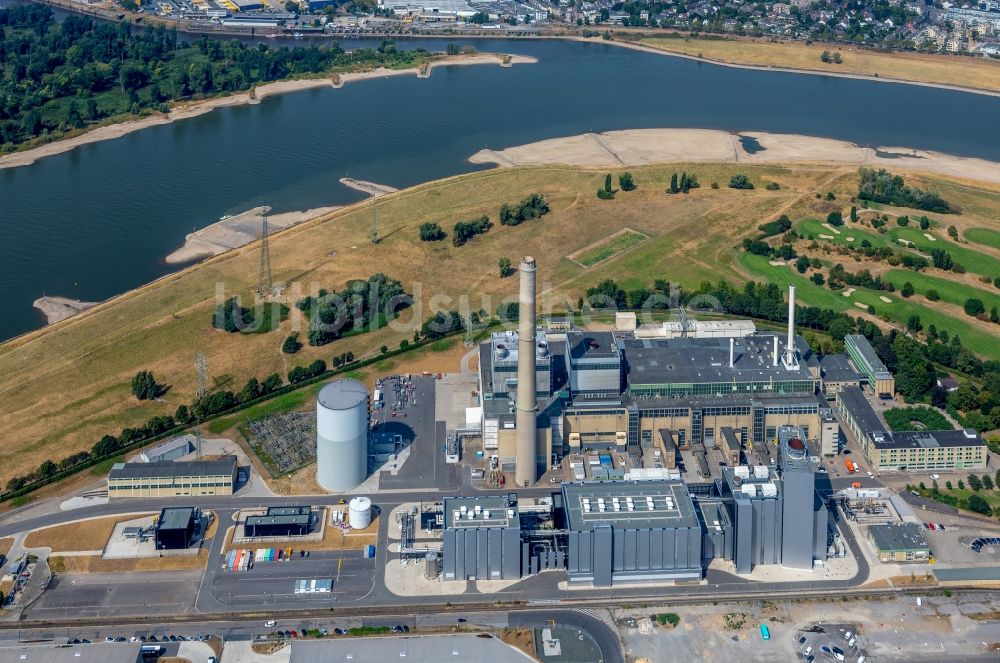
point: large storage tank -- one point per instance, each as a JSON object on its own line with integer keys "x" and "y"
{"x": 360, "y": 513}
{"x": 342, "y": 435}
{"x": 431, "y": 567}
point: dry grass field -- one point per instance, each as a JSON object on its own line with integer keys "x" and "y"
{"x": 6, "y": 544}
{"x": 65, "y": 386}
{"x": 90, "y": 534}
{"x": 94, "y": 563}
{"x": 968, "y": 72}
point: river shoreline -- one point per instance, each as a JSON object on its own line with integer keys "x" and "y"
{"x": 785, "y": 70}
{"x": 635, "y": 147}
{"x": 56, "y": 309}
{"x": 189, "y": 110}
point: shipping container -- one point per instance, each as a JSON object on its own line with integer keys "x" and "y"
{"x": 370, "y": 552}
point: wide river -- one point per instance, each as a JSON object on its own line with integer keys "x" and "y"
{"x": 99, "y": 220}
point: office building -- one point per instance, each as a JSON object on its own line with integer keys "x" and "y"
{"x": 901, "y": 542}
{"x": 173, "y": 478}
{"x": 866, "y": 361}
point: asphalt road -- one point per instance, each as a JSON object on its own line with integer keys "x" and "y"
{"x": 600, "y": 631}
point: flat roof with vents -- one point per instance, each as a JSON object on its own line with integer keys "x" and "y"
{"x": 487, "y": 511}
{"x": 701, "y": 360}
{"x": 628, "y": 504}
{"x": 927, "y": 439}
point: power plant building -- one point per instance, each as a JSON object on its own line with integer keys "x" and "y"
{"x": 631, "y": 532}
{"x": 174, "y": 528}
{"x": 866, "y": 360}
{"x": 281, "y": 521}
{"x": 778, "y": 518}
{"x": 342, "y": 435}
{"x": 482, "y": 538}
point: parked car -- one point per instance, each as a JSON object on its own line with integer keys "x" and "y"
{"x": 269, "y": 623}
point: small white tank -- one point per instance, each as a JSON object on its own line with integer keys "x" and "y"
{"x": 360, "y": 513}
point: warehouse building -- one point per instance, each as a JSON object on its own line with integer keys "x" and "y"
{"x": 901, "y": 542}
{"x": 174, "y": 528}
{"x": 908, "y": 451}
{"x": 169, "y": 450}
{"x": 173, "y": 479}
{"x": 629, "y": 532}
{"x": 865, "y": 359}
{"x": 279, "y": 521}
{"x": 482, "y": 538}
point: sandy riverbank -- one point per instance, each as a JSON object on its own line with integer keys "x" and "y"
{"x": 648, "y": 146}
{"x": 371, "y": 188}
{"x": 239, "y": 230}
{"x": 788, "y": 70}
{"x": 193, "y": 109}
{"x": 60, "y": 308}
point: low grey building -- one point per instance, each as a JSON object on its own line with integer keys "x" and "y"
{"x": 482, "y": 538}
{"x": 169, "y": 450}
{"x": 631, "y": 531}
{"x": 900, "y": 542}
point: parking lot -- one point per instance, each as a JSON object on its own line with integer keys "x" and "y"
{"x": 829, "y": 642}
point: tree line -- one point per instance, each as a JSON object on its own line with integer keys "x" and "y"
{"x": 64, "y": 76}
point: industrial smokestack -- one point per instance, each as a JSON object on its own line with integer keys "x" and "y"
{"x": 775, "y": 349}
{"x": 732, "y": 350}
{"x": 525, "y": 472}
{"x": 789, "y": 347}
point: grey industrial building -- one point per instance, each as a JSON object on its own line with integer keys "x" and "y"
{"x": 174, "y": 528}
{"x": 600, "y": 390}
{"x": 639, "y": 531}
{"x": 279, "y": 521}
{"x": 170, "y": 450}
{"x": 482, "y": 538}
{"x": 899, "y": 542}
{"x": 777, "y": 516}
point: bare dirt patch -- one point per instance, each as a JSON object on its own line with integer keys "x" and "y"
{"x": 520, "y": 638}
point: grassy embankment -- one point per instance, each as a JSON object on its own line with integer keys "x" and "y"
{"x": 65, "y": 386}
{"x": 967, "y": 72}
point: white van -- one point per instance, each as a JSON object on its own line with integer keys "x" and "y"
{"x": 270, "y": 623}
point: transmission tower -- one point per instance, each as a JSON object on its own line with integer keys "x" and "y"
{"x": 374, "y": 221}
{"x": 264, "y": 278}
{"x": 202, "y": 368}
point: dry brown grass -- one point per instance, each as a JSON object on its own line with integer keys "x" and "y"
{"x": 213, "y": 528}
{"x": 520, "y": 638}
{"x": 974, "y": 73}
{"x": 90, "y": 534}
{"x": 65, "y": 386}
{"x": 94, "y": 563}
{"x": 6, "y": 544}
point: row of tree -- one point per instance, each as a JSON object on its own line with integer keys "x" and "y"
{"x": 531, "y": 207}
{"x": 881, "y": 186}
{"x": 64, "y": 75}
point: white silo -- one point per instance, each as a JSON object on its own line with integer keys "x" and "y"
{"x": 342, "y": 435}
{"x": 360, "y": 512}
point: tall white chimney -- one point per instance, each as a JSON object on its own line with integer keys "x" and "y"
{"x": 775, "y": 349}
{"x": 789, "y": 345}
{"x": 732, "y": 343}
{"x": 525, "y": 471}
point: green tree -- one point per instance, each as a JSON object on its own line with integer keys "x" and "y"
{"x": 625, "y": 182}
{"x": 932, "y": 295}
{"x": 854, "y": 214}
{"x": 431, "y": 232}
{"x": 925, "y": 223}
{"x": 947, "y": 484}
{"x": 384, "y": 349}
{"x": 913, "y": 323}
{"x": 505, "y": 268}
{"x": 974, "y": 307}
{"x": 740, "y": 182}
{"x": 907, "y": 290}
{"x": 979, "y": 505}
{"x": 802, "y": 264}
{"x": 144, "y": 386}
{"x": 673, "y": 185}
{"x": 975, "y": 483}
{"x": 291, "y": 344}
{"x": 953, "y": 232}
{"x": 835, "y": 219}
{"x": 987, "y": 482}
{"x": 292, "y": 7}
{"x": 961, "y": 485}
